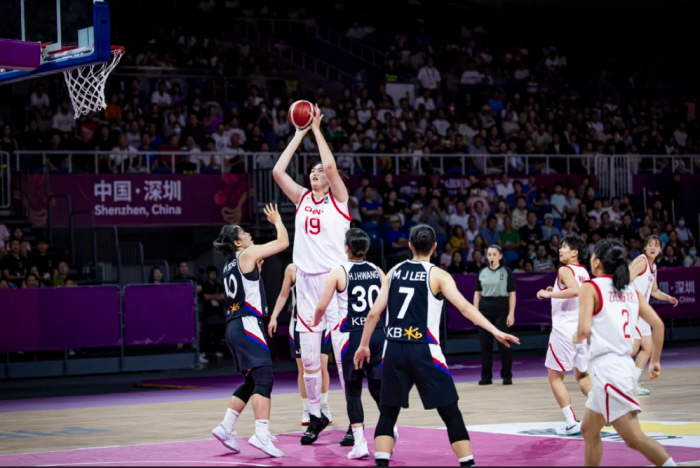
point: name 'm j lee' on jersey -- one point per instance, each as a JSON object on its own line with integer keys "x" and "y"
{"x": 361, "y": 290}
{"x": 413, "y": 311}
{"x": 245, "y": 294}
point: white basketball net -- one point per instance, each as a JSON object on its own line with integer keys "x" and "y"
{"x": 86, "y": 85}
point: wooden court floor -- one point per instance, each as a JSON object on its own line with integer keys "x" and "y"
{"x": 675, "y": 397}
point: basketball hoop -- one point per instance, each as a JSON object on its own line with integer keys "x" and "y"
{"x": 86, "y": 85}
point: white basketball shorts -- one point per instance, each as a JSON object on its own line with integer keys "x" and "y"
{"x": 563, "y": 355}
{"x": 309, "y": 288}
{"x": 642, "y": 329}
{"x": 613, "y": 387}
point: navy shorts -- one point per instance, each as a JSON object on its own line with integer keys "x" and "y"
{"x": 245, "y": 338}
{"x": 420, "y": 364}
{"x": 295, "y": 343}
{"x": 371, "y": 370}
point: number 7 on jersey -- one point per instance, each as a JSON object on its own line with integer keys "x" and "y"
{"x": 404, "y": 307}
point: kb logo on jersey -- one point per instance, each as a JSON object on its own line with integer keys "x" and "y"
{"x": 358, "y": 321}
{"x": 410, "y": 333}
{"x": 234, "y": 308}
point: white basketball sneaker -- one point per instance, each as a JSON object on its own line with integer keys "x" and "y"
{"x": 305, "y": 419}
{"x": 226, "y": 438}
{"x": 266, "y": 446}
{"x": 641, "y": 391}
{"x": 359, "y": 450}
{"x": 326, "y": 411}
{"x": 573, "y": 429}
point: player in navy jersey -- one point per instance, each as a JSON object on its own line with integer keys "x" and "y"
{"x": 413, "y": 293}
{"x": 357, "y": 283}
{"x": 245, "y": 307}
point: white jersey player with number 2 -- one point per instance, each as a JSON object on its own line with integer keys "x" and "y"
{"x": 609, "y": 308}
{"x": 322, "y": 219}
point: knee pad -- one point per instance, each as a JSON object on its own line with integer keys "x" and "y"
{"x": 263, "y": 380}
{"x": 245, "y": 390}
{"x": 452, "y": 417}
{"x": 388, "y": 415}
{"x": 353, "y": 401}
{"x": 310, "y": 361}
{"x": 375, "y": 386}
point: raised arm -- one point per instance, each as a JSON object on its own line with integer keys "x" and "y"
{"x": 362, "y": 354}
{"x": 442, "y": 282}
{"x": 587, "y": 303}
{"x": 279, "y": 172}
{"x": 334, "y": 282}
{"x": 657, "y": 335}
{"x": 290, "y": 274}
{"x": 340, "y": 192}
{"x": 250, "y": 256}
{"x": 566, "y": 276}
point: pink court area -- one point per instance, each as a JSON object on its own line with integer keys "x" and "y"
{"x": 416, "y": 447}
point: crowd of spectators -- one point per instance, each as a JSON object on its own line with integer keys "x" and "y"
{"x": 497, "y": 103}
{"x": 525, "y": 219}
{"x": 25, "y": 264}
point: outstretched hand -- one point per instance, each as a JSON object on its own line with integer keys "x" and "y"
{"x": 272, "y": 213}
{"x": 505, "y": 338}
{"x": 318, "y": 117}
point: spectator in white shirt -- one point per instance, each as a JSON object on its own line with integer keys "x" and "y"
{"x": 39, "y": 99}
{"x": 597, "y": 210}
{"x": 680, "y": 135}
{"x": 221, "y": 142}
{"x": 426, "y": 101}
{"x": 161, "y": 96}
{"x": 63, "y": 121}
{"x": 505, "y": 187}
{"x": 429, "y": 76}
{"x": 595, "y": 123}
{"x": 460, "y": 218}
{"x": 441, "y": 124}
{"x": 133, "y": 135}
{"x": 123, "y": 157}
{"x": 522, "y": 73}
{"x": 470, "y": 76}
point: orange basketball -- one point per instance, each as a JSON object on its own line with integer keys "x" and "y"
{"x": 301, "y": 114}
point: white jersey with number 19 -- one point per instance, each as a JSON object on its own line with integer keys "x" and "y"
{"x": 320, "y": 227}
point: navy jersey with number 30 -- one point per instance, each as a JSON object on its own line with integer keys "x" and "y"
{"x": 362, "y": 286}
{"x": 413, "y": 311}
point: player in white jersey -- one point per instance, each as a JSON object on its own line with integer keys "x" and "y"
{"x": 562, "y": 354}
{"x": 290, "y": 275}
{"x": 609, "y": 308}
{"x": 322, "y": 219}
{"x": 643, "y": 276}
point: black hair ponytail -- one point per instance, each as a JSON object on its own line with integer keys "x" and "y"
{"x": 358, "y": 242}
{"x": 611, "y": 253}
{"x": 224, "y": 243}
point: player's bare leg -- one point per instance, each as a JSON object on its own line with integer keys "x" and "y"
{"x": 590, "y": 430}
{"x": 302, "y": 393}
{"x": 628, "y": 428}
{"x": 585, "y": 383}
{"x": 561, "y": 394}
{"x": 325, "y": 386}
{"x": 641, "y": 361}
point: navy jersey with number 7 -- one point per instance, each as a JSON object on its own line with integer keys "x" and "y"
{"x": 413, "y": 311}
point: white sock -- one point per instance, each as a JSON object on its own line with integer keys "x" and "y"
{"x": 262, "y": 428}
{"x": 313, "y": 391}
{"x": 466, "y": 459}
{"x": 382, "y": 456}
{"x": 359, "y": 434}
{"x": 569, "y": 414}
{"x": 637, "y": 374}
{"x": 230, "y": 419}
{"x": 669, "y": 462}
{"x": 305, "y": 403}
{"x": 324, "y": 399}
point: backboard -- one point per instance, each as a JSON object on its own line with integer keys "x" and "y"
{"x": 41, "y": 37}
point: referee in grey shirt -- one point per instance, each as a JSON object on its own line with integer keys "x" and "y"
{"x": 494, "y": 296}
